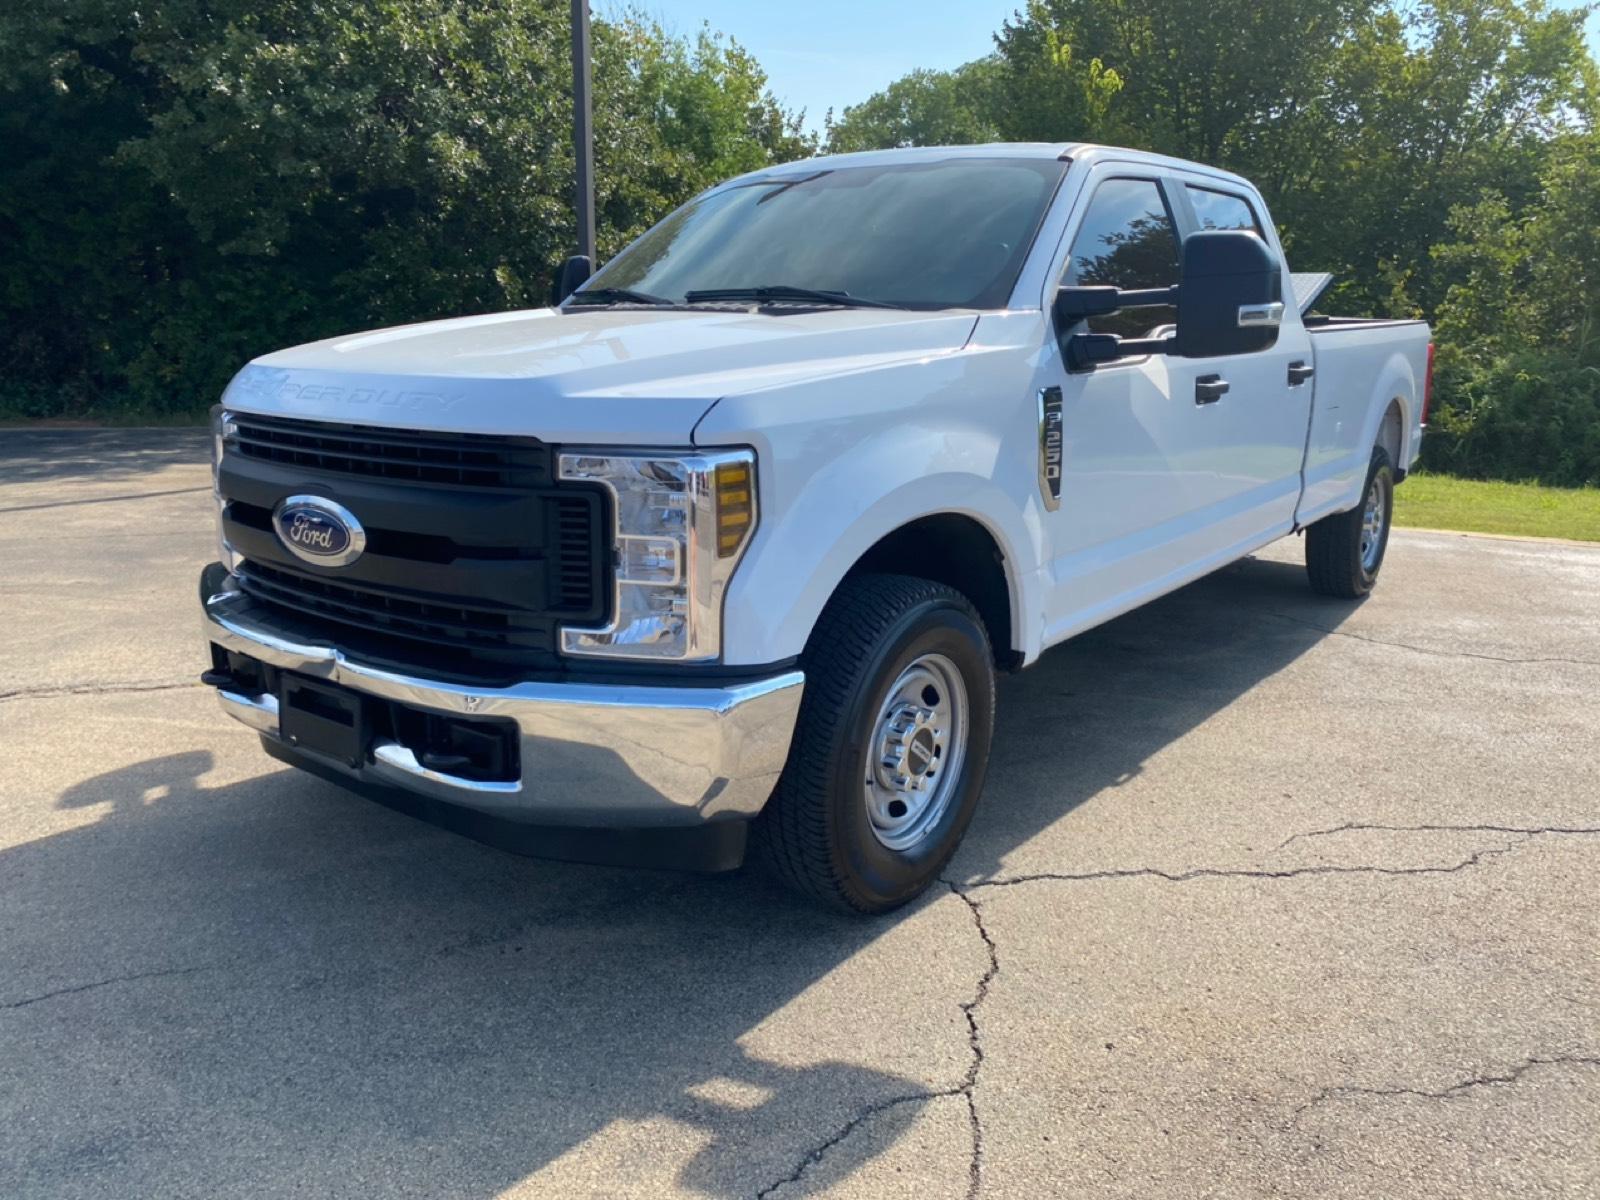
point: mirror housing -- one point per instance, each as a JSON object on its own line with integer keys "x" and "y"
{"x": 1086, "y": 350}
{"x": 1230, "y": 300}
{"x": 573, "y": 275}
{"x": 1073, "y": 304}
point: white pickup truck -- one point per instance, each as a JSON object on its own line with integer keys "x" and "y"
{"x": 735, "y": 537}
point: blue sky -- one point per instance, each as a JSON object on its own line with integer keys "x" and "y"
{"x": 831, "y": 53}
{"x": 822, "y": 53}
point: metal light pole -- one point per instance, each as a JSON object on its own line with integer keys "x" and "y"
{"x": 582, "y": 133}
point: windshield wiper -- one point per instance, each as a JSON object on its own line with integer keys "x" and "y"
{"x": 611, "y": 295}
{"x": 781, "y": 291}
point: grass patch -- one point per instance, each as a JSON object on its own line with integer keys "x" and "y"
{"x": 1485, "y": 506}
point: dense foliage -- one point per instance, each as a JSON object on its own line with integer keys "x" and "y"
{"x": 1441, "y": 158}
{"x": 192, "y": 182}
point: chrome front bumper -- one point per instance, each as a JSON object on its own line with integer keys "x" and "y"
{"x": 597, "y": 755}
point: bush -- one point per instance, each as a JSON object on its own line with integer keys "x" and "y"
{"x": 1531, "y": 416}
{"x": 1519, "y": 329}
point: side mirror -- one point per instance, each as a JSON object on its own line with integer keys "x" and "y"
{"x": 573, "y": 275}
{"x": 1231, "y": 298}
{"x": 1085, "y": 350}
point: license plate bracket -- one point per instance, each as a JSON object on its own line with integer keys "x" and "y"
{"x": 323, "y": 718}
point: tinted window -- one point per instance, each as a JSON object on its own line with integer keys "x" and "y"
{"x": 1219, "y": 210}
{"x": 1126, "y": 241}
{"x": 925, "y": 235}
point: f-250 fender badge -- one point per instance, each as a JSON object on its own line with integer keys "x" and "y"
{"x": 1050, "y": 447}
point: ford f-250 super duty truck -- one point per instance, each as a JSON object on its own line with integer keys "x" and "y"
{"x": 736, "y": 536}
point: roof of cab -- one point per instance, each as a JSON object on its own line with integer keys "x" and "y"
{"x": 876, "y": 158}
{"x": 1035, "y": 150}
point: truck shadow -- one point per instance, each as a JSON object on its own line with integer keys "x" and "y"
{"x": 270, "y": 986}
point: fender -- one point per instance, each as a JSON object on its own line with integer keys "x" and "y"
{"x": 1396, "y": 382}
{"x": 1339, "y": 483}
{"x": 823, "y": 527}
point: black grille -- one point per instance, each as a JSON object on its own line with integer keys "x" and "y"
{"x": 475, "y": 555}
{"x": 466, "y": 460}
{"x": 383, "y": 611}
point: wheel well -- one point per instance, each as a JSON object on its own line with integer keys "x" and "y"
{"x": 1390, "y": 432}
{"x": 959, "y": 552}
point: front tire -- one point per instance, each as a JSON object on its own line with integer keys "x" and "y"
{"x": 1344, "y": 552}
{"x": 891, "y": 746}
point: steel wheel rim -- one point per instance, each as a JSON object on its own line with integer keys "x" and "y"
{"x": 1373, "y": 519}
{"x": 915, "y": 752}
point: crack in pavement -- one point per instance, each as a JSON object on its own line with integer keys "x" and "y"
{"x": 1522, "y": 833}
{"x": 1525, "y": 831}
{"x": 1472, "y": 860}
{"x": 94, "y": 689}
{"x": 100, "y": 983}
{"x": 1429, "y": 650}
{"x": 1454, "y": 1090}
{"x": 969, "y": 1085}
{"x": 817, "y": 1153}
{"x": 964, "y": 1089}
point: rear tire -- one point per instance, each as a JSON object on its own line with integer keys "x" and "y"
{"x": 1344, "y": 552}
{"x": 890, "y": 749}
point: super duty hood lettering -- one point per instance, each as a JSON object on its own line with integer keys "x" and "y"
{"x": 277, "y": 385}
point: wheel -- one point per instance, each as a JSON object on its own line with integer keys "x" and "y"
{"x": 1344, "y": 552}
{"x": 890, "y": 748}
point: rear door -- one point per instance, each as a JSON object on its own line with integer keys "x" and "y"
{"x": 1249, "y": 446}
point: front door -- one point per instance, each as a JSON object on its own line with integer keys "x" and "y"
{"x": 1128, "y": 468}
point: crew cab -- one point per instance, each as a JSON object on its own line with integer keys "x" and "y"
{"x": 734, "y": 537}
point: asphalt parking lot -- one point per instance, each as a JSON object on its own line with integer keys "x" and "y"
{"x": 1269, "y": 896}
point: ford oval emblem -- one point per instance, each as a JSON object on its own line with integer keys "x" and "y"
{"x": 319, "y": 531}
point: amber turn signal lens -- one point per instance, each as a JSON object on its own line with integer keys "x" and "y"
{"x": 735, "y": 507}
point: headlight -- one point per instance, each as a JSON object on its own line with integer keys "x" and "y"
{"x": 681, "y": 522}
{"x": 224, "y": 434}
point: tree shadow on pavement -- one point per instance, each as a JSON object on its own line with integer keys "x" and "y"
{"x": 270, "y": 986}
{"x": 101, "y": 455}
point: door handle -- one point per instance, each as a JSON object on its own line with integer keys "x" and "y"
{"x": 1299, "y": 372}
{"x": 1208, "y": 389}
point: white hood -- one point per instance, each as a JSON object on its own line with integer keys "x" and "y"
{"x": 611, "y": 376}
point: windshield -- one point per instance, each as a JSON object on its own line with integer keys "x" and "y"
{"x": 948, "y": 234}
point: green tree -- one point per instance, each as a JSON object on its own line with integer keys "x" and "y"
{"x": 1519, "y": 362}
{"x": 1194, "y": 77}
{"x": 1426, "y": 108}
{"x": 1038, "y": 86}
{"x": 925, "y": 108}
{"x": 679, "y": 117}
{"x": 195, "y": 182}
